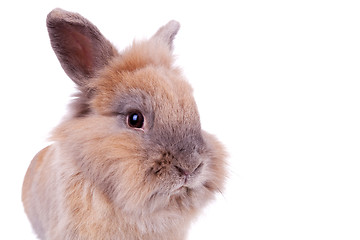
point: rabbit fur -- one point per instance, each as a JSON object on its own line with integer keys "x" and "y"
{"x": 102, "y": 178}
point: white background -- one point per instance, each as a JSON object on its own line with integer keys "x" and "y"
{"x": 277, "y": 81}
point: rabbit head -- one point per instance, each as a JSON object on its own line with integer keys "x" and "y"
{"x": 134, "y": 130}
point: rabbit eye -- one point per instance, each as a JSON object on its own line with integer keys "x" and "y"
{"x": 135, "y": 119}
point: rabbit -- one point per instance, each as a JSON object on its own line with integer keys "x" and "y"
{"x": 130, "y": 161}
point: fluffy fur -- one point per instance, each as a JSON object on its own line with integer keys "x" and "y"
{"x": 103, "y": 179}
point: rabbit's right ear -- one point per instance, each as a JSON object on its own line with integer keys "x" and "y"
{"x": 80, "y": 47}
{"x": 167, "y": 33}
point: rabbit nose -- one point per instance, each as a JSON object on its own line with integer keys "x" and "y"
{"x": 182, "y": 171}
{"x": 189, "y": 171}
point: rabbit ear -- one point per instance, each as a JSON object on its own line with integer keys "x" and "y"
{"x": 80, "y": 47}
{"x": 167, "y": 33}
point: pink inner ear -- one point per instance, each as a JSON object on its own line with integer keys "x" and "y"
{"x": 80, "y": 49}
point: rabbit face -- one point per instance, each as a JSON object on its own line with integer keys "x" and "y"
{"x": 174, "y": 162}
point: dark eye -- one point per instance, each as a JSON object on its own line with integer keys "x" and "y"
{"x": 135, "y": 119}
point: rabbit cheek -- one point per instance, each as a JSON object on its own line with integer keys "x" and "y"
{"x": 161, "y": 168}
{"x": 216, "y": 172}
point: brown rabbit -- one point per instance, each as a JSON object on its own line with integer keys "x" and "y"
{"x": 131, "y": 160}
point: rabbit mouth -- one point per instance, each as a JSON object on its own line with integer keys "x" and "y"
{"x": 181, "y": 190}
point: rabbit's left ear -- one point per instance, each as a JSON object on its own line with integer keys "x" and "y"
{"x": 167, "y": 33}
